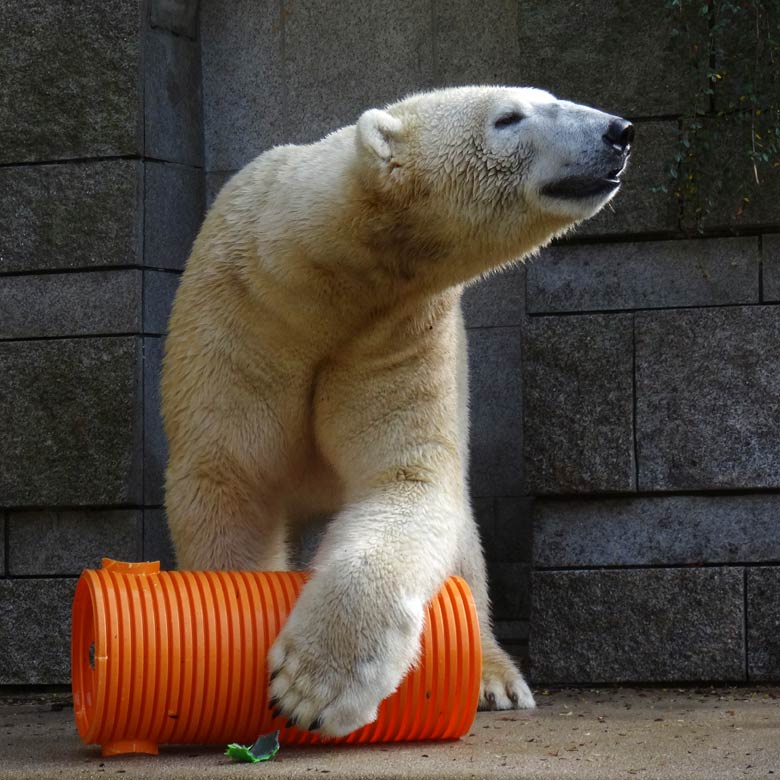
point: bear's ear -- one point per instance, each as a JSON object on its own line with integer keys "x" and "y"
{"x": 377, "y": 130}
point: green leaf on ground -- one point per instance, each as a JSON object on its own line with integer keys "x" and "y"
{"x": 264, "y": 749}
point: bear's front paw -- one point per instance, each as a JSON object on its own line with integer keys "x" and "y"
{"x": 503, "y": 687}
{"x": 333, "y": 663}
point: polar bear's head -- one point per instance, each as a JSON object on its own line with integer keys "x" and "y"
{"x": 496, "y": 171}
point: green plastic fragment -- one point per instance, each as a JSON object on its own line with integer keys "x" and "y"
{"x": 240, "y": 753}
{"x": 264, "y": 749}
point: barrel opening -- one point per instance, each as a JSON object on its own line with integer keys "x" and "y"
{"x": 83, "y": 660}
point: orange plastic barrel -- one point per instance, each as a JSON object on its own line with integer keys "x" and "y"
{"x": 177, "y": 657}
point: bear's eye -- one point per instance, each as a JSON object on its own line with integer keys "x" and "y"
{"x": 507, "y": 120}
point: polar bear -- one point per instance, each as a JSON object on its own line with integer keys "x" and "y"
{"x": 316, "y": 365}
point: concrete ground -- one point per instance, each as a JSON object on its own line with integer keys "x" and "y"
{"x": 669, "y": 734}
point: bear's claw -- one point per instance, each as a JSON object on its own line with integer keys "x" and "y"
{"x": 503, "y": 687}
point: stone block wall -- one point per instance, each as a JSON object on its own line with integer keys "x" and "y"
{"x": 651, "y": 411}
{"x": 624, "y": 465}
{"x": 101, "y": 169}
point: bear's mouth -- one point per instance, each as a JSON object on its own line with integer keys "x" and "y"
{"x": 583, "y": 186}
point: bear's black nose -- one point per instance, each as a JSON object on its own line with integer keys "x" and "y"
{"x": 620, "y": 133}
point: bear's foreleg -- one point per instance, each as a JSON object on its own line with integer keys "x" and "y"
{"x": 229, "y": 436}
{"x": 355, "y": 630}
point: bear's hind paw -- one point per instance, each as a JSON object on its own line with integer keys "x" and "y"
{"x": 503, "y": 687}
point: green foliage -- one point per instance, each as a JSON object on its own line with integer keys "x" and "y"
{"x": 734, "y": 120}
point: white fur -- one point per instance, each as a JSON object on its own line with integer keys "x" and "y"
{"x": 316, "y": 364}
{"x": 377, "y": 130}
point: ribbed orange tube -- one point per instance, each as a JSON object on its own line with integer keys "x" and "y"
{"x": 176, "y": 657}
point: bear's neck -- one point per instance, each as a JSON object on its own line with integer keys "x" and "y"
{"x": 411, "y": 254}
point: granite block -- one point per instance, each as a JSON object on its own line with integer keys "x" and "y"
{"x": 43, "y": 542}
{"x": 159, "y": 291}
{"x": 505, "y": 528}
{"x": 74, "y": 215}
{"x": 335, "y": 71}
{"x": 71, "y": 80}
{"x": 513, "y": 530}
{"x": 476, "y": 48}
{"x": 304, "y": 542}
{"x": 173, "y": 125}
{"x": 771, "y": 266}
{"x": 743, "y": 56}
{"x": 37, "y": 651}
{"x": 648, "y": 625}
{"x": 619, "y": 57}
{"x": 510, "y": 590}
{"x": 646, "y": 202}
{"x": 496, "y": 299}
{"x": 763, "y": 621}
{"x": 70, "y": 304}
{"x": 727, "y": 194}
{"x": 655, "y": 531}
{"x": 157, "y": 539}
{"x": 484, "y": 510}
{"x": 510, "y": 632}
{"x": 644, "y": 275}
{"x": 244, "y": 96}
{"x": 176, "y": 16}
{"x": 175, "y": 200}
{"x": 155, "y": 443}
{"x": 707, "y": 407}
{"x": 70, "y": 422}
{"x": 578, "y": 404}
{"x": 215, "y": 181}
{"x": 496, "y": 438}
